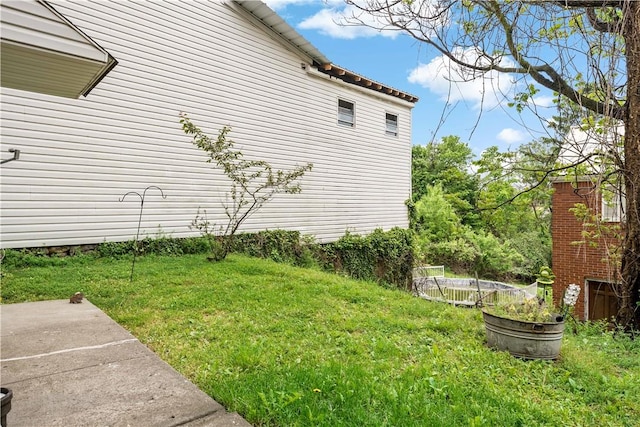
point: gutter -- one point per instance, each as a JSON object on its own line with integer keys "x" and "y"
{"x": 314, "y": 72}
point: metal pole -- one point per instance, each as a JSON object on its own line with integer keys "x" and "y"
{"x": 135, "y": 242}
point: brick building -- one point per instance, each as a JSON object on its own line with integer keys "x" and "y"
{"x": 584, "y": 264}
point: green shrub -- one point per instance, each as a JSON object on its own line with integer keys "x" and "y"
{"x": 162, "y": 245}
{"x": 277, "y": 245}
{"x": 536, "y": 252}
{"x": 473, "y": 252}
{"x": 194, "y": 245}
{"x": 435, "y": 216}
{"x": 496, "y": 260}
{"x": 13, "y": 258}
{"x": 458, "y": 254}
{"x": 115, "y": 249}
{"x": 386, "y": 257}
{"x": 354, "y": 256}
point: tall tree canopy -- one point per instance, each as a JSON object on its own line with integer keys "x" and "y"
{"x": 585, "y": 51}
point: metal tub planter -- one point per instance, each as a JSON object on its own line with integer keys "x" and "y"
{"x": 527, "y": 340}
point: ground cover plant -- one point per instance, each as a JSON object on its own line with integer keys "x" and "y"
{"x": 286, "y": 346}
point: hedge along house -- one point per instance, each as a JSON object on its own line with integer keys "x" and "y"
{"x": 223, "y": 63}
{"x": 587, "y": 260}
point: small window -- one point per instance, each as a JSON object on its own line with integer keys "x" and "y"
{"x": 392, "y": 124}
{"x": 345, "y": 113}
{"x": 613, "y": 201}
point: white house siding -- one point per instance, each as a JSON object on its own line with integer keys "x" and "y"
{"x": 214, "y": 62}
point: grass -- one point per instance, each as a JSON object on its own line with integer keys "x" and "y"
{"x": 285, "y": 346}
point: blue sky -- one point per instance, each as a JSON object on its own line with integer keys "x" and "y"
{"x": 474, "y": 112}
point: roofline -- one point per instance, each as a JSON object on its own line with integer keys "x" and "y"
{"x": 574, "y": 179}
{"x": 110, "y": 63}
{"x": 276, "y": 24}
{"x": 359, "y": 80}
{"x": 279, "y": 26}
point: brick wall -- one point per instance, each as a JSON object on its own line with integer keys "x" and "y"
{"x": 575, "y": 263}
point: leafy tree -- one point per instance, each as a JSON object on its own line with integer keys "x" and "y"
{"x": 446, "y": 163}
{"x": 435, "y": 217}
{"x": 521, "y": 220}
{"x": 253, "y": 183}
{"x": 495, "y": 257}
{"x": 586, "y": 51}
{"x": 503, "y": 176}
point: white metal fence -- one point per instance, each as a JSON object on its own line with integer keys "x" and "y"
{"x": 468, "y": 291}
{"x": 429, "y": 271}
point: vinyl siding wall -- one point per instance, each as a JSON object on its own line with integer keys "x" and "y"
{"x": 214, "y": 62}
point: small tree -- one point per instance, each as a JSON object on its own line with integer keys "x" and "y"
{"x": 253, "y": 183}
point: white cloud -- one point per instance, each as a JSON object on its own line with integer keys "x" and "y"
{"x": 544, "y": 101}
{"x": 511, "y": 136}
{"x": 348, "y": 21}
{"x": 280, "y": 4}
{"x": 452, "y": 83}
{"x": 335, "y": 22}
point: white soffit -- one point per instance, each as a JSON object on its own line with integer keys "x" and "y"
{"x": 44, "y": 52}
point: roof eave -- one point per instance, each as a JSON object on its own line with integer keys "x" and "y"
{"x": 359, "y": 80}
{"x": 50, "y": 67}
{"x": 109, "y": 63}
{"x": 277, "y": 25}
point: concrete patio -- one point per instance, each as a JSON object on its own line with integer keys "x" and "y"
{"x": 72, "y": 365}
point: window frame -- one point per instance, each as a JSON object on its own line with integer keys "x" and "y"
{"x": 612, "y": 205}
{"x": 387, "y": 130}
{"x": 345, "y": 123}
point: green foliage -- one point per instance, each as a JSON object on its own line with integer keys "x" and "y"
{"x": 535, "y": 248}
{"x": 194, "y": 245}
{"x": 13, "y": 258}
{"x": 158, "y": 245}
{"x": 285, "y": 346}
{"x": 161, "y": 246}
{"x": 446, "y": 163}
{"x": 497, "y": 259}
{"x": 522, "y": 99}
{"x": 115, "y": 249}
{"x": 253, "y": 183}
{"x": 277, "y": 245}
{"x": 434, "y": 216}
{"x": 474, "y": 251}
{"x": 386, "y": 257}
{"x": 457, "y": 254}
{"x": 501, "y": 231}
{"x": 530, "y": 310}
{"x": 514, "y": 186}
{"x": 354, "y": 255}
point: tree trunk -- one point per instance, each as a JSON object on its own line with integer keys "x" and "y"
{"x": 629, "y": 314}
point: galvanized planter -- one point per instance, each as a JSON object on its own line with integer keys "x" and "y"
{"x": 527, "y": 340}
{"x": 6, "y": 395}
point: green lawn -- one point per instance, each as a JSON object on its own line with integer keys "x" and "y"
{"x": 285, "y": 346}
